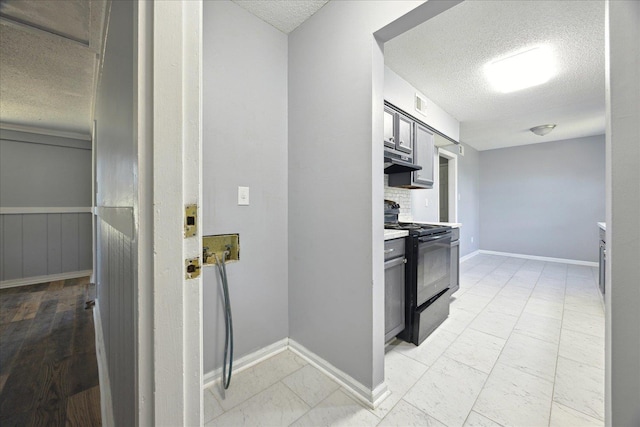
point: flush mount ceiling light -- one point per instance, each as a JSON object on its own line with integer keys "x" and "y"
{"x": 522, "y": 70}
{"x": 542, "y": 130}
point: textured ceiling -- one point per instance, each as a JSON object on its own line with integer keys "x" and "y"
{"x": 444, "y": 58}
{"x": 48, "y": 58}
{"x": 285, "y": 15}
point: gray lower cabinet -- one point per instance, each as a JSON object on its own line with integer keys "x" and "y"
{"x": 455, "y": 260}
{"x": 394, "y": 266}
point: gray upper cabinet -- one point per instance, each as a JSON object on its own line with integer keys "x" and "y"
{"x": 414, "y": 139}
{"x": 398, "y": 131}
{"x": 405, "y": 134}
{"x": 423, "y": 156}
{"x": 389, "y": 127}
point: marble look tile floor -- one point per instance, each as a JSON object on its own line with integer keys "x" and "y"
{"x": 523, "y": 346}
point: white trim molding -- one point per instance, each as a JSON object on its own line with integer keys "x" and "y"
{"x": 469, "y": 256}
{"x": 542, "y": 258}
{"x": 25, "y": 281}
{"x": 48, "y": 132}
{"x": 371, "y": 398}
{"x": 106, "y": 405}
{"x": 453, "y": 183}
{"x": 44, "y": 210}
{"x": 246, "y": 362}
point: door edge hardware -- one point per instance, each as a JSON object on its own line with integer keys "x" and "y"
{"x": 190, "y": 220}
{"x": 192, "y": 268}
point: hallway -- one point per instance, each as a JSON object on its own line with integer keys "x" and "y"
{"x": 48, "y": 366}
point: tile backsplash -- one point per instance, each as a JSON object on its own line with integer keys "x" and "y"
{"x": 398, "y": 195}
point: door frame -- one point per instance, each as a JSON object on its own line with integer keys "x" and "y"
{"x": 453, "y": 183}
{"x": 169, "y": 175}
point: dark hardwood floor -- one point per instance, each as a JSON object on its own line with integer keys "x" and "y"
{"x": 48, "y": 365}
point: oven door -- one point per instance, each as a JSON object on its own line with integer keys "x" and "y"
{"x": 434, "y": 266}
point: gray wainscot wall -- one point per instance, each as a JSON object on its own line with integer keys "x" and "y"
{"x": 45, "y": 205}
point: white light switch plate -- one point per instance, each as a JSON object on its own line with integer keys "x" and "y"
{"x": 243, "y": 196}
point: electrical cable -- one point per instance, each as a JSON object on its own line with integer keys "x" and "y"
{"x": 228, "y": 337}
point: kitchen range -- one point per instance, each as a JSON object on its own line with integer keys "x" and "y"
{"x": 427, "y": 276}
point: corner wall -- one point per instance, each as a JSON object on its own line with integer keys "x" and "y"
{"x": 544, "y": 199}
{"x": 622, "y": 335}
{"x": 116, "y": 160}
{"x": 336, "y": 237}
{"x": 245, "y": 144}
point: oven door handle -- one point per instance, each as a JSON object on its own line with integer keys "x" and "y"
{"x": 434, "y": 238}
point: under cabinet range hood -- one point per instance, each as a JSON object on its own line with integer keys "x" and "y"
{"x": 396, "y": 165}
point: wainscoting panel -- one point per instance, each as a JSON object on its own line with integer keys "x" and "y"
{"x": 42, "y": 244}
{"x": 34, "y": 247}
{"x": 117, "y": 301}
{"x": 12, "y": 248}
{"x": 54, "y": 244}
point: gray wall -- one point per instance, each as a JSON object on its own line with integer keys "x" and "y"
{"x": 115, "y": 163}
{"x": 44, "y": 171}
{"x": 245, "y": 144}
{"x": 336, "y": 280}
{"x": 622, "y": 359}
{"x": 543, "y": 199}
{"x": 469, "y": 201}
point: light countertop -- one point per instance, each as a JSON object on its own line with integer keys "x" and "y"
{"x": 449, "y": 224}
{"x": 395, "y": 234}
{"x": 603, "y": 225}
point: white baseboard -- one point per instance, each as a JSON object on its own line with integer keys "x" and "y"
{"x": 371, "y": 398}
{"x": 245, "y": 362}
{"x": 542, "y": 258}
{"x": 43, "y": 279}
{"x": 469, "y": 256}
{"x": 106, "y": 406}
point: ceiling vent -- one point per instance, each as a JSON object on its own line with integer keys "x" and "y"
{"x": 421, "y": 105}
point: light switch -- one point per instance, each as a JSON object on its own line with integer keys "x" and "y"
{"x": 426, "y": 202}
{"x": 243, "y": 196}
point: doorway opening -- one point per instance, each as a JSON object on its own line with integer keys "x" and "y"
{"x": 447, "y": 186}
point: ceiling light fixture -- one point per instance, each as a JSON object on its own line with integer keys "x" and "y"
{"x": 542, "y": 130}
{"x": 522, "y": 70}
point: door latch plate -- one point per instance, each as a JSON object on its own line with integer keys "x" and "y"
{"x": 190, "y": 220}
{"x": 192, "y": 268}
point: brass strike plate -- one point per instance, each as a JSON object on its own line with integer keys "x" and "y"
{"x": 218, "y": 245}
{"x": 190, "y": 220}
{"x": 192, "y": 268}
